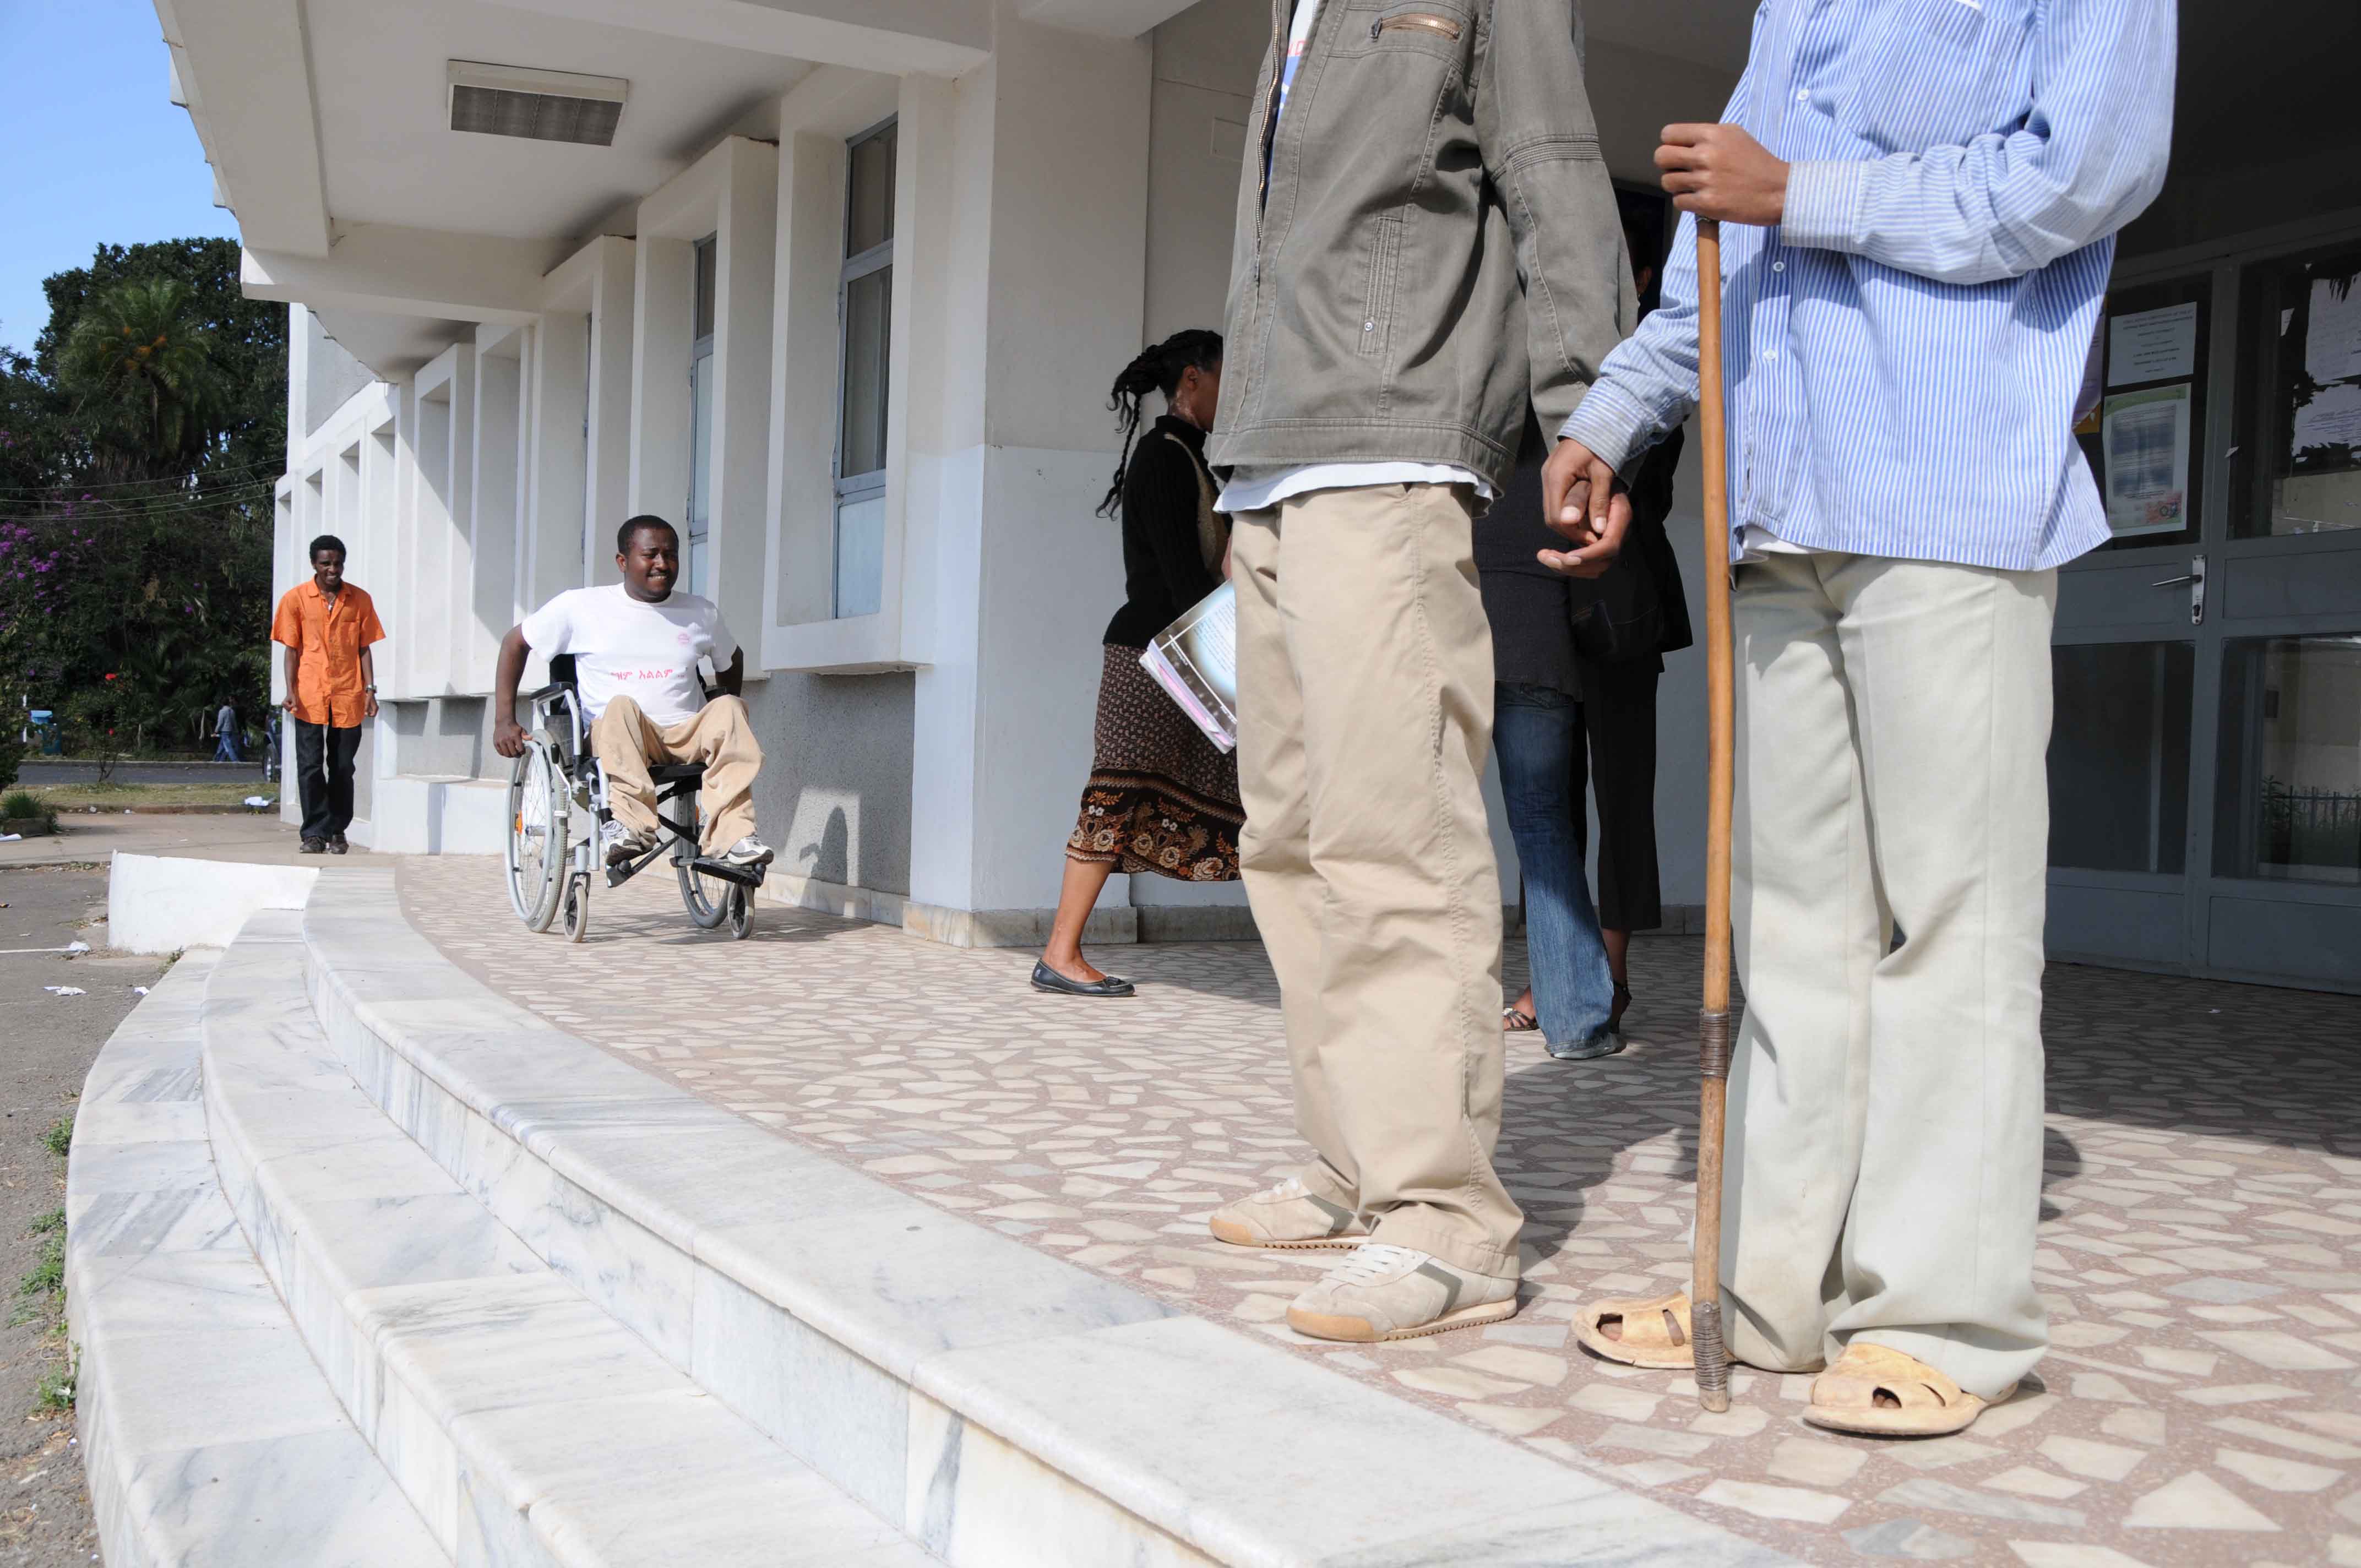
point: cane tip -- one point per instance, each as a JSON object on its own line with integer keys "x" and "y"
{"x": 1714, "y": 1399}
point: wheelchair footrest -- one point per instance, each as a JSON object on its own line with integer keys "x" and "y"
{"x": 745, "y": 876}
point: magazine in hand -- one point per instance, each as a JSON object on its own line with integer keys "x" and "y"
{"x": 1195, "y": 660}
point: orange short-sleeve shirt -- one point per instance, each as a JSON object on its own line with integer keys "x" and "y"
{"x": 328, "y": 644}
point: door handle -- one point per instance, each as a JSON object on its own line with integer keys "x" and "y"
{"x": 2195, "y": 579}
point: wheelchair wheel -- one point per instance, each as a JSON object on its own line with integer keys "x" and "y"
{"x": 537, "y": 835}
{"x": 707, "y": 897}
{"x": 741, "y": 913}
{"x": 578, "y": 907}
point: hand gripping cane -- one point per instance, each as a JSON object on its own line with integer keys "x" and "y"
{"x": 1713, "y": 1020}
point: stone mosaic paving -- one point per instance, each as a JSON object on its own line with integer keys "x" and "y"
{"x": 2202, "y": 1223}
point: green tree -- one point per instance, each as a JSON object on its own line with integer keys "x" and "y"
{"x": 135, "y": 495}
{"x": 139, "y": 368}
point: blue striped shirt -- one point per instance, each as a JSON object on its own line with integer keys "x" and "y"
{"x": 1902, "y": 353}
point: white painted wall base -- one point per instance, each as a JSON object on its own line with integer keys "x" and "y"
{"x": 413, "y": 816}
{"x": 831, "y": 898}
{"x": 1110, "y": 925}
{"x": 163, "y": 904}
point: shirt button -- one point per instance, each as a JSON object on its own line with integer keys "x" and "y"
{"x": 1778, "y": 266}
{"x": 1803, "y": 96}
{"x": 1770, "y": 354}
{"x": 1369, "y": 326}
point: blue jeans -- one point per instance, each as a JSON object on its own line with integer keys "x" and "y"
{"x": 1534, "y": 730}
{"x": 225, "y": 748}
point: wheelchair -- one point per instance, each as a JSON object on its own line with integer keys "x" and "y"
{"x": 557, "y": 799}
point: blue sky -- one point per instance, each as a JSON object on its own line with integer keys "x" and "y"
{"x": 91, "y": 147}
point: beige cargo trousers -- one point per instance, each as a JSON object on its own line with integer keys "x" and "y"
{"x": 1365, "y": 712}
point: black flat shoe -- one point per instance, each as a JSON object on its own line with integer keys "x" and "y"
{"x": 1046, "y": 979}
{"x": 315, "y": 847}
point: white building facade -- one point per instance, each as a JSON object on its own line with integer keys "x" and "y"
{"x": 840, "y": 285}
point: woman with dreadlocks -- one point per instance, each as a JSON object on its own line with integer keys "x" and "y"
{"x": 1161, "y": 798}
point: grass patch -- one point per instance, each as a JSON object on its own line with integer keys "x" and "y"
{"x": 60, "y": 1137}
{"x": 48, "y": 1275}
{"x": 21, "y": 803}
{"x": 56, "y": 1392}
{"x": 55, "y": 1220}
{"x": 117, "y": 797}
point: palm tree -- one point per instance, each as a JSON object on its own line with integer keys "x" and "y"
{"x": 140, "y": 371}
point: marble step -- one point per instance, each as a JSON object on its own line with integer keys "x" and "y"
{"x": 527, "y": 1426}
{"x": 1006, "y": 1406}
{"x": 208, "y": 1434}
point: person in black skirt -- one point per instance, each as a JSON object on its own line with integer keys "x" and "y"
{"x": 1161, "y": 798}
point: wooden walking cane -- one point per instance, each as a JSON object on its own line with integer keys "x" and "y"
{"x": 1713, "y": 1020}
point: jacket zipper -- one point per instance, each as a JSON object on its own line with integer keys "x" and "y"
{"x": 1442, "y": 27}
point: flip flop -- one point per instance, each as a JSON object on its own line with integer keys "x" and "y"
{"x": 1517, "y": 1021}
{"x": 1655, "y": 1331}
{"x": 1881, "y": 1392}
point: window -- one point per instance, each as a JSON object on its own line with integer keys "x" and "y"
{"x": 700, "y": 422}
{"x": 2299, "y": 464}
{"x": 865, "y": 310}
{"x": 2290, "y": 793}
{"x": 2119, "y": 755}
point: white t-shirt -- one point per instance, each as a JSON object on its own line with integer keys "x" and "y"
{"x": 1253, "y": 490}
{"x": 626, "y": 647}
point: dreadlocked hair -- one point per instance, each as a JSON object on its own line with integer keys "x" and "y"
{"x": 1158, "y": 368}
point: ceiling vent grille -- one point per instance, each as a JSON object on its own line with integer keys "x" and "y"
{"x": 540, "y": 105}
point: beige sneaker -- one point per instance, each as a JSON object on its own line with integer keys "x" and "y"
{"x": 1396, "y": 1292}
{"x": 1287, "y": 1215}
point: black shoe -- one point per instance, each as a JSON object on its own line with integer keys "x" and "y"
{"x": 337, "y": 845}
{"x": 315, "y": 847}
{"x": 1602, "y": 1041}
{"x": 1046, "y": 979}
{"x": 1622, "y": 1006}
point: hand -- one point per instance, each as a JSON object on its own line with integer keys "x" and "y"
{"x": 1720, "y": 171}
{"x": 1582, "y": 499}
{"x": 508, "y": 737}
{"x": 369, "y": 705}
{"x": 288, "y": 702}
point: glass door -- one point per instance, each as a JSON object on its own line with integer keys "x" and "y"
{"x": 2205, "y": 767}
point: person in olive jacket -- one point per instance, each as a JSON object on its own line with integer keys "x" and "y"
{"x": 1427, "y": 243}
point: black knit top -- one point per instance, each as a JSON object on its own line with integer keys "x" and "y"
{"x": 1167, "y": 524}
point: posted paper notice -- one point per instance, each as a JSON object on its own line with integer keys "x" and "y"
{"x": 2152, "y": 345}
{"x": 2144, "y": 436}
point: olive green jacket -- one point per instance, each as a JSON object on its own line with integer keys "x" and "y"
{"x": 1436, "y": 244}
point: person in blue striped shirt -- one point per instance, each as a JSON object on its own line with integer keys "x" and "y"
{"x": 1918, "y": 201}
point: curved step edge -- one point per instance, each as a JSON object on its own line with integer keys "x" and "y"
{"x": 1006, "y": 1405}
{"x": 526, "y": 1425}
{"x": 208, "y": 1434}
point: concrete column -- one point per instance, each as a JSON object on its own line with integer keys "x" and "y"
{"x": 664, "y": 302}
{"x": 440, "y": 511}
{"x": 607, "y": 481}
{"x": 558, "y": 461}
{"x": 1043, "y": 157}
{"x": 745, "y": 275}
{"x": 490, "y": 604}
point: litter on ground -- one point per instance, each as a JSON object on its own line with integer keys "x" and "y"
{"x": 66, "y": 990}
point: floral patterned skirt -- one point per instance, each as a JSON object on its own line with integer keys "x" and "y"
{"x": 1161, "y": 798}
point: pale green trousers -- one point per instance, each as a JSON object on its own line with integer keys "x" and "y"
{"x": 1885, "y": 1154}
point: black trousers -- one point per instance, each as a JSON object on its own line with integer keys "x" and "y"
{"x": 323, "y": 770}
{"x": 1619, "y": 733}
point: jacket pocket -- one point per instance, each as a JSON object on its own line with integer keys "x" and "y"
{"x": 1384, "y": 263}
{"x": 1433, "y": 24}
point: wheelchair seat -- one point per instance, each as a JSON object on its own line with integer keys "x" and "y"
{"x": 675, "y": 772}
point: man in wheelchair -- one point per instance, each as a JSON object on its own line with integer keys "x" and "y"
{"x": 636, "y": 646}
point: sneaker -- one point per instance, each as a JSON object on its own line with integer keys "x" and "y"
{"x": 622, "y": 844}
{"x": 1603, "y": 1041}
{"x": 1288, "y": 1215}
{"x": 748, "y": 851}
{"x": 315, "y": 847}
{"x": 1385, "y": 1292}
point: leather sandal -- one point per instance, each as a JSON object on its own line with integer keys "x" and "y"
{"x": 1049, "y": 979}
{"x": 1883, "y": 1392}
{"x": 1655, "y": 1331}
{"x": 1515, "y": 1020}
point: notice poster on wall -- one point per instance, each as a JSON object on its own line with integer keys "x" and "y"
{"x": 2145, "y": 438}
{"x": 2152, "y": 345}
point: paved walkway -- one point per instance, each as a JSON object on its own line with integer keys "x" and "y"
{"x": 2202, "y": 1227}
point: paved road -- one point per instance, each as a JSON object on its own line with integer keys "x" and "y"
{"x": 45, "y": 1519}
{"x": 42, "y": 775}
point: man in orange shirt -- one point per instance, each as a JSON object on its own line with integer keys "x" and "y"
{"x": 327, "y": 625}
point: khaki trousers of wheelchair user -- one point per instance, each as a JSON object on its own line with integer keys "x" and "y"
{"x": 722, "y": 736}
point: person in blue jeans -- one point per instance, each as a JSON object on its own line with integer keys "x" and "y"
{"x": 226, "y": 734}
{"x": 1536, "y": 728}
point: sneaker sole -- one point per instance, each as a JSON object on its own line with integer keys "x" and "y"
{"x": 1357, "y": 1331}
{"x": 1239, "y": 1235}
